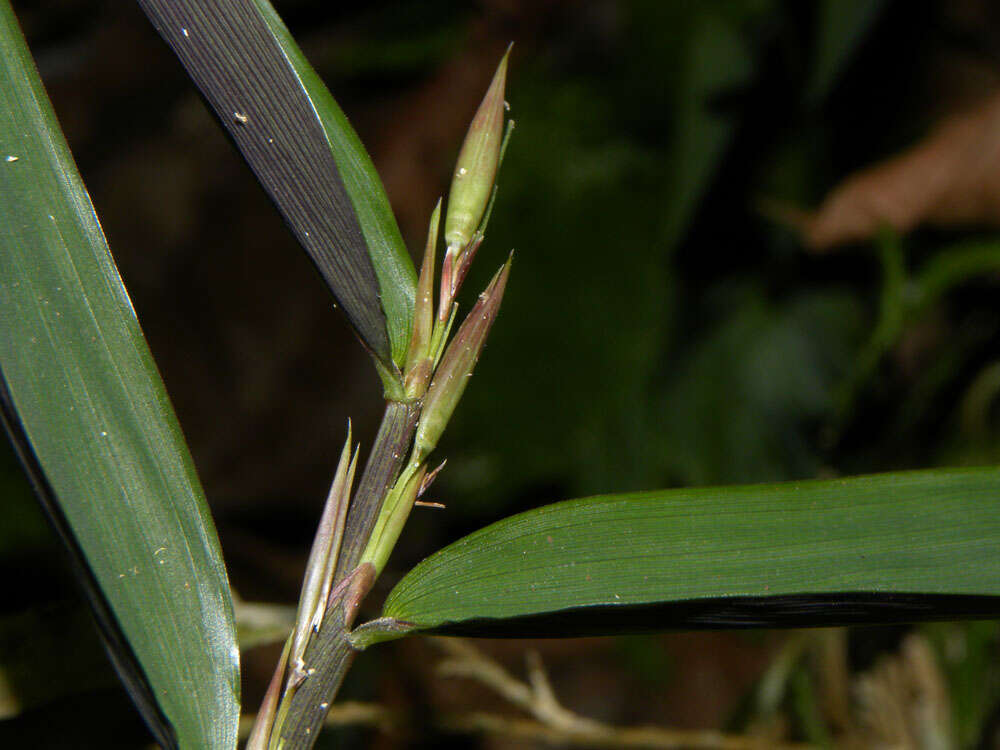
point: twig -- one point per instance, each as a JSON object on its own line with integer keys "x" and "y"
{"x": 558, "y": 725}
{"x": 640, "y": 738}
{"x": 773, "y": 684}
{"x": 647, "y": 738}
{"x": 471, "y": 663}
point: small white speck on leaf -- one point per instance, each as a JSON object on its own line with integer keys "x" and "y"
{"x": 12, "y": 158}
{"x": 462, "y": 172}
{"x": 240, "y": 118}
{"x": 185, "y": 32}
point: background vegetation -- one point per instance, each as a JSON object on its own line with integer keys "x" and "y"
{"x": 660, "y": 329}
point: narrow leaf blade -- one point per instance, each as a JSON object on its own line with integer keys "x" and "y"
{"x": 396, "y": 274}
{"x": 88, "y": 414}
{"x": 919, "y": 545}
{"x": 304, "y": 153}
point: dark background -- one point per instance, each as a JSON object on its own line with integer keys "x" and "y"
{"x": 658, "y": 329}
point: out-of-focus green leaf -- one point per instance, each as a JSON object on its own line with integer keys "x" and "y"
{"x": 741, "y": 402}
{"x": 93, "y": 426}
{"x": 950, "y": 267}
{"x": 712, "y": 62}
{"x": 841, "y": 25}
{"x": 305, "y": 154}
{"x": 919, "y": 545}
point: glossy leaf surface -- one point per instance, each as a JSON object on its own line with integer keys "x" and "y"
{"x": 92, "y": 424}
{"x": 920, "y": 545}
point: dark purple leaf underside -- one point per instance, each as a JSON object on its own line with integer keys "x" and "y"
{"x": 238, "y": 66}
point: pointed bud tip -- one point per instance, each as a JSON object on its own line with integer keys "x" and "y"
{"x": 423, "y": 309}
{"x": 475, "y": 171}
{"x": 459, "y": 361}
{"x": 502, "y": 65}
{"x": 499, "y": 279}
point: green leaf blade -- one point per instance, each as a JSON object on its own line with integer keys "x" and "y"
{"x": 924, "y": 545}
{"x": 395, "y": 271}
{"x": 93, "y": 425}
{"x": 305, "y": 154}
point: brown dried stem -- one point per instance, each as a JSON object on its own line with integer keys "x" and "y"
{"x": 558, "y": 725}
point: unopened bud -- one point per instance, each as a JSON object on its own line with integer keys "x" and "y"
{"x": 457, "y": 364}
{"x": 476, "y": 169}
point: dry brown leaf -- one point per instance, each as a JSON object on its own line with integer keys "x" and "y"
{"x": 950, "y": 178}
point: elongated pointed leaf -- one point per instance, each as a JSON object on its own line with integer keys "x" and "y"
{"x": 841, "y": 27}
{"x": 920, "y": 545}
{"x": 304, "y": 152}
{"x": 85, "y": 407}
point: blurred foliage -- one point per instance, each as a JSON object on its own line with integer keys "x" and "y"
{"x": 841, "y": 25}
{"x": 742, "y": 406}
{"x": 606, "y": 169}
{"x": 968, "y": 656}
{"x": 23, "y": 527}
{"x": 657, "y": 329}
{"x": 643, "y": 352}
